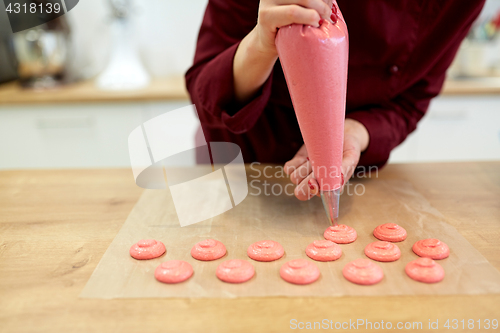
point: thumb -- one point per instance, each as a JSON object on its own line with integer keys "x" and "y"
{"x": 350, "y": 159}
{"x": 299, "y": 159}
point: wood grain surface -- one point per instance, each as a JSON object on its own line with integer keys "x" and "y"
{"x": 164, "y": 89}
{"x": 55, "y": 225}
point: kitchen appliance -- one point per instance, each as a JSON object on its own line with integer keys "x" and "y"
{"x": 125, "y": 70}
{"x": 42, "y": 54}
{"x": 8, "y": 62}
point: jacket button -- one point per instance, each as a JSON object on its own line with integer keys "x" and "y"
{"x": 394, "y": 69}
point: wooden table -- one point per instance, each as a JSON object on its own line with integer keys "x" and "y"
{"x": 55, "y": 225}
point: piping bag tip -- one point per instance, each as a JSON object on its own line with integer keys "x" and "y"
{"x": 331, "y": 201}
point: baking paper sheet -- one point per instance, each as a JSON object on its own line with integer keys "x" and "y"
{"x": 294, "y": 224}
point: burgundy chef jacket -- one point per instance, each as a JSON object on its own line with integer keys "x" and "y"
{"x": 399, "y": 51}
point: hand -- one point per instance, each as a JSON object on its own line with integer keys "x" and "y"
{"x": 274, "y": 14}
{"x": 356, "y": 139}
{"x": 256, "y": 55}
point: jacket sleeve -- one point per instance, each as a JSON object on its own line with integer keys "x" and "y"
{"x": 210, "y": 80}
{"x": 388, "y": 125}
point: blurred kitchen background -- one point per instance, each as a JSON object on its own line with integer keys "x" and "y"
{"x": 65, "y": 101}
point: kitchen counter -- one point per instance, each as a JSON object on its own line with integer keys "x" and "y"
{"x": 56, "y": 225}
{"x": 472, "y": 86}
{"x": 167, "y": 89}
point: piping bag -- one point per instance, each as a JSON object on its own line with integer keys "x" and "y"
{"x": 314, "y": 61}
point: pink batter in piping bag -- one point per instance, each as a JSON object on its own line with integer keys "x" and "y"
{"x": 314, "y": 61}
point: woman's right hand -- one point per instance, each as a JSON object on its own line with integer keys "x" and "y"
{"x": 257, "y": 54}
{"x": 274, "y": 14}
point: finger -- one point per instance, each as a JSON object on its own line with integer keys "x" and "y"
{"x": 350, "y": 160}
{"x": 320, "y": 6}
{"x": 329, "y": 3}
{"x": 299, "y": 159}
{"x": 307, "y": 188}
{"x": 289, "y": 14}
{"x": 301, "y": 172}
{"x": 314, "y": 186}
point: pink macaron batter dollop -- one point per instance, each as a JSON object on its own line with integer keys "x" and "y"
{"x": 147, "y": 249}
{"x": 340, "y": 234}
{"x": 425, "y": 270}
{"x": 431, "y": 248}
{"x": 266, "y": 250}
{"x": 323, "y": 250}
{"x": 363, "y": 271}
{"x": 208, "y": 249}
{"x": 390, "y": 232}
{"x": 173, "y": 271}
{"x": 299, "y": 271}
{"x": 383, "y": 251}
{"x": 235, "y": 271}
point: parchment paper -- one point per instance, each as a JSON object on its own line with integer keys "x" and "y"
{"x": 294, "y": 224}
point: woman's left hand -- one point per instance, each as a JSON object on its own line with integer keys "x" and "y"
{"x": 299, "y": 168}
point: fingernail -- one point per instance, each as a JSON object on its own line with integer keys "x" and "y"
{"x": 320, "y": 22}
{"x": 307, "y": 158}
{"x": 311, "y": 186}
{"x": 342, "y": 175}
{"x": 334, "y": 17}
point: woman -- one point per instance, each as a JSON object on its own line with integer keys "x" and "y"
{"x": 398, "y": 55}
